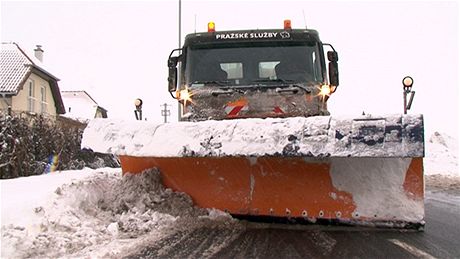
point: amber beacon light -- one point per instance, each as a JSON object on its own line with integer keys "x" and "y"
{"x": 287, "y": 24}
{"x": 211, "y": 27}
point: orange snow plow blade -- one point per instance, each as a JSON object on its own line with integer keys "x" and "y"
{"x": 295, "y": 187}
{"x": 366, "y": 170}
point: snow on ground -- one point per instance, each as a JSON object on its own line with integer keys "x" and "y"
{"x": 441, "y": 155}
{"x": 100, "y": 214}
{"x": 96, "y": 213}
{"x": 441, "y": 164}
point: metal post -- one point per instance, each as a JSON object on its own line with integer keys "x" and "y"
{"x": 405, "y": 101}
{"x": 180, "y": 18}
{"x": 411, "y": 98}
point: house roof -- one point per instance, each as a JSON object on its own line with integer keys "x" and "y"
{"x": 81, "y": 106}
{"x": 16, "y": 66}
{"x": 81, "y": 93}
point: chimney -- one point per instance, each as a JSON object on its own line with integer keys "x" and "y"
{"x": 39, "y": 53}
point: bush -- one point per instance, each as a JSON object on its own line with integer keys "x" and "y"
{"x": 31, "y": 145}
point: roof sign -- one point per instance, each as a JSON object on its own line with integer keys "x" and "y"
{"x": 253, "y": 35}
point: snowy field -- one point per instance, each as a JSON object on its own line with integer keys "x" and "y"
{"x": 99, "y": 213}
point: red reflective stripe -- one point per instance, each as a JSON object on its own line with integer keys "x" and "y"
{"x": 235, "y": 111}
{"x": 277, "y": 110}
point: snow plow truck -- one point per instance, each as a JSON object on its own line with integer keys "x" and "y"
{"x": 255, "y": 137}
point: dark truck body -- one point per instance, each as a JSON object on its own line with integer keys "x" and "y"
{"x": 253, "y": 74}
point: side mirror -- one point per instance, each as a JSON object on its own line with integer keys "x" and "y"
{"x": 333, "y": 57}
{"x": 172, "y": 61}
{"x": 172, "y": 79}
{"x": 172, "y": 74}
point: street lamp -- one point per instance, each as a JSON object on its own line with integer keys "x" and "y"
{"x": 407, "y": 86}
{"x": 138, "y": 111}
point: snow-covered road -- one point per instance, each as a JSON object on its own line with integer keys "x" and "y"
{"x": 263, "y": 240}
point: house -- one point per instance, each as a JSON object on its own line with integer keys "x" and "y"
{"x": 25, "y": 86}
{"x": 81, "y": 106}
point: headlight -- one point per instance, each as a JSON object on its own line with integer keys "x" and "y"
{"x": 184, "y": 95}
{"x": 325, "y": 90}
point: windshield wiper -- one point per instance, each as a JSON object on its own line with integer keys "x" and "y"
{"x": 222, "y": 91}
{"x": 212, "y": 82}
{"x": 228, "y": 90}
{"x": 286, "y": 83}
{"x": 277, "y": 80}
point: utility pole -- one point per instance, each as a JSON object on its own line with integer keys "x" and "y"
{"x": 179, "y": 111}
{"x": 180, "y": 23}
{"x": 165, "y": 112}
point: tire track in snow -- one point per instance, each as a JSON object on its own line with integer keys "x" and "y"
{"x": 200, "y": 242}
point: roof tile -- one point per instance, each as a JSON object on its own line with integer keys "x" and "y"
{"x": 14, "y": 66}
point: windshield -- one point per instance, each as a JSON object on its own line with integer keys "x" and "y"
{"x": 247, "y": 65}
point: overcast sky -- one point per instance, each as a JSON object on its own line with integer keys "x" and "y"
{"x": 117, "y": 50}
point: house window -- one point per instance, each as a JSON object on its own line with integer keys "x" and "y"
{"x": 31, "y": 96}
{"x": 43, "y": 103}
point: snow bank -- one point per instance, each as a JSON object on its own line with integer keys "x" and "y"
{"x": 96, "y": 213}
{"x": 20, "y": 196}
{"x": 449, "y": 184}
{"x": 441, "y": 155}
{"x": 366, "y": 136}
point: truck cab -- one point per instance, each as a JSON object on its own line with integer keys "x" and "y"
{"x": 252, "y": 74}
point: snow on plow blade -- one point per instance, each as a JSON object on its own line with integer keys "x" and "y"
{"x": 366, "y": 170}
